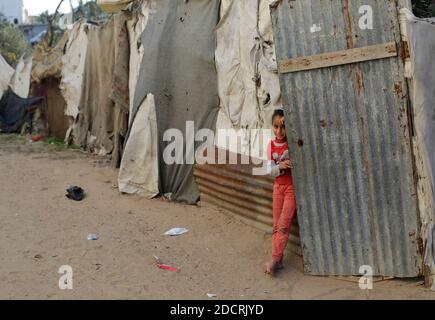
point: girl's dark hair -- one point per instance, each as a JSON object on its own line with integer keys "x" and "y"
{"x": 277, "y": 113}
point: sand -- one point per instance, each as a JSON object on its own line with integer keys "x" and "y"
{"x": 41, "y": 230}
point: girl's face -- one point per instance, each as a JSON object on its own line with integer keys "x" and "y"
{"x": 279, "y": 127}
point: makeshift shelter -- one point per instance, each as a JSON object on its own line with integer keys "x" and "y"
{"x": 73, "y": 68}
{"x": 139, "y": 171}
{"x": 45, "y": 80}
{"x": 178, "y": 69}
{"x": 101, "y": 125}
{"x": 353, "y": 208}
{"x": 136, "y": 23}
{"x": 53, "y": 107}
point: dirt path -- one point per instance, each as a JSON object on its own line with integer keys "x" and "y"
{"x": 41, "y": 230}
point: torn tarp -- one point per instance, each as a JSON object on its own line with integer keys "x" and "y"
{"x": 246, "y": 64}
{"x": 248, "y": 81}
{"x": 104, "y": 106}
{"x": 47, "y": 61}
{"x": 73, "y": 68}
{"x": 15, "y": 111}
{"x": 139, "y": 172}
{"x": 178, "y": 68}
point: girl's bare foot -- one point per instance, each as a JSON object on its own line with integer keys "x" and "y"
{"x": 271, "y": 267}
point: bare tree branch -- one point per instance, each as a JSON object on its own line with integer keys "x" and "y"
{"x": 51, "y": 20}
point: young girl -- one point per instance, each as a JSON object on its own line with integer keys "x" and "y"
{"x": 284, "y": 201}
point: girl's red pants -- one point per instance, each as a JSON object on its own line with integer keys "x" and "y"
{"x": 284, "y": 209}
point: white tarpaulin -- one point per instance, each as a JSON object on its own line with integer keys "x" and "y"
{"x": 6, "y": 73}
{"x": 421, "y": 39}
{"x": 139, "y": 172}
{"x": 73, "y": 69}
{"x": 135, "y": 26}
{"x": 247, "y": 69}
{"x": 20, "y": 82}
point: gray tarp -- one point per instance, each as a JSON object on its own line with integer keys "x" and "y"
{"x": 178, "y": 68}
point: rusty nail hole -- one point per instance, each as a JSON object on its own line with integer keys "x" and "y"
{"x": 300, "y": 143}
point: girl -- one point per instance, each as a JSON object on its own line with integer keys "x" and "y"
{"x": 284, "y": 200}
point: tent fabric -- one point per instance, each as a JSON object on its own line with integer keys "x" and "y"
{"x": 20, "y": 81}
{"x": 139, "y": 171}
{"x": 101, "y": 125}
{"x": 246, "y": 64}
{"x": 421, "y": 38}
{"x": 15, "y": 111}
{"x": 47, "y": 62}
{"x": 113, "y": 6}
{"x": 178, "y": 68}
{"x": 6, "y": 73}
{"x": 136, "y": 25}
{"x": 140, "y": 164}
{"x": 249, "y": 88}
{"x": 73, "y": 68}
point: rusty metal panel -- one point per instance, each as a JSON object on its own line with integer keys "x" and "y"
{"x": 234, "y": 189}
{"x": 350, "y": 140}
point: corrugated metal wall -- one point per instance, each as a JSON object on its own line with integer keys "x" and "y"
{"x": 349, "y": 137}
{"x": 235, "y": 189}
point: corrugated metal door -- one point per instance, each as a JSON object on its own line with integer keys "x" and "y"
{"x": 349, "y": 135}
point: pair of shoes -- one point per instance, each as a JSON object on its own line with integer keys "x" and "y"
{"x": 75, "y": 193}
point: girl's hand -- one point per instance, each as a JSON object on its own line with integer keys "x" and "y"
{"x": 286, "y": 164}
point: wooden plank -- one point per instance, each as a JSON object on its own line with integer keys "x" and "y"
{"x": 338, "y": 58}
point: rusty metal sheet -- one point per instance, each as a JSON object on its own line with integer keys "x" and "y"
{"x": 350, "y": 141}
{"x": 234, "y": 189}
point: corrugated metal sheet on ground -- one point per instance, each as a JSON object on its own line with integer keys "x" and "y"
{"x": 234, "y": 188}
{"x": 350, "y": 140}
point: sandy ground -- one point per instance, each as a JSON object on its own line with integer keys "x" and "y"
{"x": 41, "y": 230}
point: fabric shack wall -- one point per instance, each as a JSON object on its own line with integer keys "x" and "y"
{"x": 138, "y": 19}
{"x": 421, "y": 39}
{"x": 178, "y": 69}
{"x": 101, "y": 124}
{"x": 73, "y": 68}
{"x": 248, "y": 81}
{"x": 139, "y": 170}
